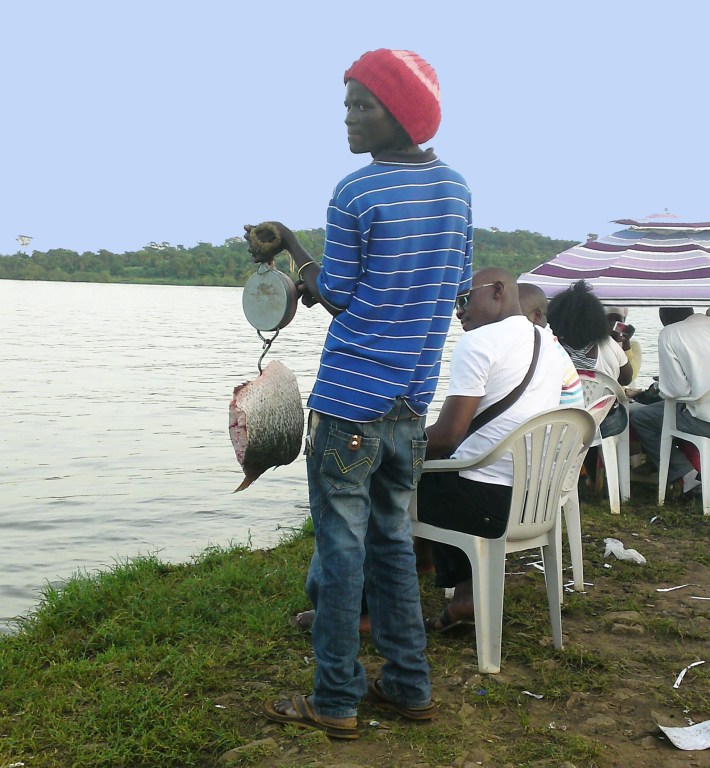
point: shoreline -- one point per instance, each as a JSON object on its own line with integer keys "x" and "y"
{"x": 160, "y": 664}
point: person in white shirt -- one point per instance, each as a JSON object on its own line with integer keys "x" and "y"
{"x": 623, "y": 336}
{"x": 489, "y": 360}
{"x": 533, "y": 304}
{"x": 683, "y": 372}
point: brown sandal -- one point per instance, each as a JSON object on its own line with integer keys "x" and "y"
{"x": 375, "y": 695}
{"x": 303, "y": 620}
{"x": 305, "y": 717}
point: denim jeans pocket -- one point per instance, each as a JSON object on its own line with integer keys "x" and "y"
{"x": 348, "y": 458}
{"x": 418, "y": 454}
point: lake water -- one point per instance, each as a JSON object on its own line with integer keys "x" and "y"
{"x": 114, "y": 439}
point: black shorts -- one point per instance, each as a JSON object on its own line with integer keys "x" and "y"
{"x": 450, "y": 501}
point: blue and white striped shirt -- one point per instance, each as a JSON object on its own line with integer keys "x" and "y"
{"x": 397, "y": 253}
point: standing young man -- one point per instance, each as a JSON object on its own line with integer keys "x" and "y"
{"x": 397, "y": 254}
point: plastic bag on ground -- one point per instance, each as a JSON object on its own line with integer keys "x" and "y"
{"x": 616, "y": 548}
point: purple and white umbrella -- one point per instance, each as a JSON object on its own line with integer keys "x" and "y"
{"x": 655, "y": 261}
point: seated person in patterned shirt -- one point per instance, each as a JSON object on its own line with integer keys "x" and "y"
{"x": 579, "y": 321}
{"x": 533, "y": 303}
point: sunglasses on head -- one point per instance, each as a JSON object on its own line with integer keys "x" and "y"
{"x": 462, "y": 301}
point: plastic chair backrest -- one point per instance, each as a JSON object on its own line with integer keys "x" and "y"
{"x": 542, "y": 457}
{"x": 601, "y": 407}
{"x": 543, "y": 449}
{"x": 598, "y": 411}
{"x": 596, "y": 383}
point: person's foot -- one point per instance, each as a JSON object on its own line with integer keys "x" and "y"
{"x": 298, "y": 710}
{"x": 445, "y": 622}
{"x": 695, "y": 492}
{"x": 376, "y": 695}
{"x": 458, "y": 612}
{"x": 691, "y": 482}
{"x": 422, "y": 550}
{"x": 304, "y": 621}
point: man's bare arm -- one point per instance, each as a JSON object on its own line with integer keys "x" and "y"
{"x": 449, "y": 430}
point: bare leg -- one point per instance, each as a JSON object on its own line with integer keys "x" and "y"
{"x": 422, "y": 549}
{"x": 460, "y": 608}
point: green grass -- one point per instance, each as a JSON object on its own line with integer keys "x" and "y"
{"x": 151, "y": 664}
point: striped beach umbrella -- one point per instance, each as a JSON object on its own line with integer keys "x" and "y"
{"x": 654, "y": 261}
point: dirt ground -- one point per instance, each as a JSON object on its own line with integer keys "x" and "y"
{"x": 600, "y": 698}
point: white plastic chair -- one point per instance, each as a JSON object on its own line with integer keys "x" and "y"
{"x": 615, "y": 449}
{"x": 570, "y": 497}
{"x": 671, "y": 431}
{"x": 543, "y": 450}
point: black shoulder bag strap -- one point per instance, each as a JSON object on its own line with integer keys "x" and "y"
{"x": 502, "y": 405}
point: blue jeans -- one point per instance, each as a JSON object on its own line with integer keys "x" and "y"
{"x": 360, "y": 479}
{"x": 647, "y": 422}
{"x": 615, "y": 422}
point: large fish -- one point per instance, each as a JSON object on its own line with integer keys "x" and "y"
{"x": 266, "y": 421}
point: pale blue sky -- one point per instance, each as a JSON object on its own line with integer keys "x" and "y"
{"x": 139, "y": 120}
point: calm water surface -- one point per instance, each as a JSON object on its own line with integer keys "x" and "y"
{"x": 114, "y": 439}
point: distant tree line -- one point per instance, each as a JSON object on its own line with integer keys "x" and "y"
{"x": 230, "y": 263}
{"x": 518, "y": 251}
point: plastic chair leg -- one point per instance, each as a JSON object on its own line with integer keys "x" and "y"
{"x": 612, "y": 473}
{"x": 558, "y": 533}
{"x": 551, "y": 558}
{"x": 573, "y": 524}
{"x": 663, "y": 464}
{"x": 705, "y": 478}
{"x": 488, "y": 571}
{"x": 623, "y": 461}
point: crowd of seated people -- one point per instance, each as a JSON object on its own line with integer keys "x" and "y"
{"x": 490, "y": 358}
{"x": 576, "y": 332}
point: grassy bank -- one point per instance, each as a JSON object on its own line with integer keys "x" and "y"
{"x": 168, "y": 665}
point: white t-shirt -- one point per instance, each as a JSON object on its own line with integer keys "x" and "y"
{"x": 610, "y": 358}
{"x": 488, "y": 362}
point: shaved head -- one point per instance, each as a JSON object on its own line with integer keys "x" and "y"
{"x": 491, "y": 274}
{"x": 493, "y": 297}
{"x": 533, "y": 303}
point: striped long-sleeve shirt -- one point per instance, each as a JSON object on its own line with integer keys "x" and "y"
{"x": 397, "y": 253}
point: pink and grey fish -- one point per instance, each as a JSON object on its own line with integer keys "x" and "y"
{"x": 266, "y": 421}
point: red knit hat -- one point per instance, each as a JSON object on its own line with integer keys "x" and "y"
{"x": 406, "y": 85}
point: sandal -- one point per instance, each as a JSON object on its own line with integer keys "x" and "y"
{"x": 376, "y": 695}
{"x": 446, "y": 622}
{"x": 303, "y": 620}
{"x": 305, "y": 717}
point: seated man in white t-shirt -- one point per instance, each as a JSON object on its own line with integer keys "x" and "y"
{"x": 489, "y": 360}
{"x": 683, "y": 373}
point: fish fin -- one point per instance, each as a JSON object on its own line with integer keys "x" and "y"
{"x": 245, "y": 484}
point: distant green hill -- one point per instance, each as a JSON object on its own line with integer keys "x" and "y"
{"x": 231, "y": 264}
{"x": 517, "y": 251}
